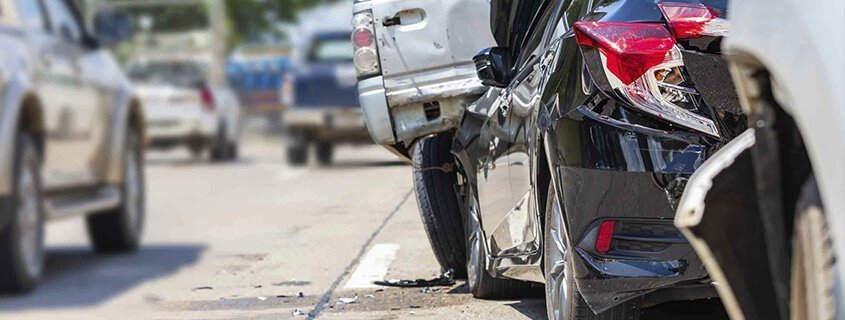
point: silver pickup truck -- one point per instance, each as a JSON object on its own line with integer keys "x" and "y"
{"x": 414, "y": 64}
{"x": 71, "y": 134}
{"x": 416, "y": 78}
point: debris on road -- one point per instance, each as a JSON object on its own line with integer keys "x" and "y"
{"x": 262, "y": 298}
{"x": 202, "y": 288}
{"x": 447, "y": 279}
{"x": 431, "y": 290}
{"x": 347, "y": 300}
{"x": 293, "y": 283}
{"x": 297, "y": 312}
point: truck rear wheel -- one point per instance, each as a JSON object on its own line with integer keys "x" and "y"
{"x": 22, "y": 238}
{"x": 813, "y": 260}
{"x": 325, "y": 153}
{"x": 297, "y": 150}
{"x": 438, "y": 203}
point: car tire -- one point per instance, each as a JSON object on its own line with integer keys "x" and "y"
{"x": 439, "y": 204}
{"x": 22, "y": 239}
{"x": 481, "y": 283}
{"x": 813, "y": 283}
{"x": 297, "y": 151}
{"x": 222, "y": 148}
{"x": 563, "y": 301}
{"x": 120, "y": 229}
{"x": 325, "y": 153}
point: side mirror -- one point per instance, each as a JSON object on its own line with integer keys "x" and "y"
{"x": 493, "y": 66}
{"x": 112, "y": 27}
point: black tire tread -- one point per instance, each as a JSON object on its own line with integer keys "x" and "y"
{"x": 105, "y": 229}
{"x": 438, "y": 203}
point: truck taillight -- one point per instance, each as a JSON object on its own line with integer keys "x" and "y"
{"x": 641, "y": 62}
{"x": 364, "y": 41}
{"x": 287, "y": 90}
{"x": 690, "y": 20}
{"x": 207, "y": 98}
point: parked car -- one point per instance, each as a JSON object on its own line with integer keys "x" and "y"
{"x": 766, "y": 213}
{"x": 415, "y": 78}
{"x": 71, "y": 135}
{"x": 319, "y": 92}
{"x": 571, "y": 168}
{"x": 185, "y": 107}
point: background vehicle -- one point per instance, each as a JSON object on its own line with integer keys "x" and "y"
{"x": 779, "y": 186}
{"x": 573, "y": 168}
{"x": 255, "y": 72}
{"x": 319, "y": 92}
{"x": 183, "y": 107}
{"x": 182, "y": 77}
{"x": 71, "y": 134}
{"x": 415, "y": 78}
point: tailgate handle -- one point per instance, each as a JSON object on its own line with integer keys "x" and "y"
{"x": 394, "y": 21}
{"x": 405, "y": 17}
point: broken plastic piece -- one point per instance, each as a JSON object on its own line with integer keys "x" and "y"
{"x": 446, "y": 279}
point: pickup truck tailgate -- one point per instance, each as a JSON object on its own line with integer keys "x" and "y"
{"x": 426, "y": 47}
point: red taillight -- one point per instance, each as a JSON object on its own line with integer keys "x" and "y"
{"x": 362, "y": 37}
{"x": 605, "y": 237}
{"x": 630, "y": 48}
{"x": 366, "y": 57}
{"x": 207, "y": 98}
{"x": 689, "y": 20}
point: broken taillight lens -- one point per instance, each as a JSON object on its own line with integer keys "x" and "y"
{"x": 642, "y": 63}
{"x": 207, "y": 98}
{"x": 689, "y": 20}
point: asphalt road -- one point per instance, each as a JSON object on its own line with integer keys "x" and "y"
{"x": 257, "y": 239}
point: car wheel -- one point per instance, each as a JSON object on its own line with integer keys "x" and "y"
{"x": 439, "y": 204}
{"x": 22, "y": 239}
{"x": 297, "y": 151}
{"x": 482, "y": 285}
{"x": 221, "y": 150}
{"x": 325, "y": 153}
{"x": 563, "y": 301}
{"x": 813, "y": 260}
{"x": 119, "y": 229}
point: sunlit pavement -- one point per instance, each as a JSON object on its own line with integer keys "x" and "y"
{"x": 258, "y": 239}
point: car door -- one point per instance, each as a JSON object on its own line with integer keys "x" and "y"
{"x": 71, "y": 105}
{"x": 506, "y": 211}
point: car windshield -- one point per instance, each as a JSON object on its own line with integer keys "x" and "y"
{"x": 332, "y": 50}
{"x": 176, "y": 73}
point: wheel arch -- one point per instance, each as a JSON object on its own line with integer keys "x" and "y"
{"x": 22, "y": 111}
{"x": 127, "y": 115}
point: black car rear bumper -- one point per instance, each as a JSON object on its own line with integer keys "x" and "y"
{"x": 634, "y": 176}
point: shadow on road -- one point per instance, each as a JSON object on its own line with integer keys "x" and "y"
{"x": 356, "y": 164}
{"x": 77, "y": 277}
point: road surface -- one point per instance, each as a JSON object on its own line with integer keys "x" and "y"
{"x": 258, "y": 239}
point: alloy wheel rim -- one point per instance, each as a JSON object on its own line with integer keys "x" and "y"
{"x": 29, "y": 219}
{"x": 557, "y": 286}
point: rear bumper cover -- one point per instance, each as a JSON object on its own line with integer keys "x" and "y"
{"x": 727, "y": 234}
{"x": 608, "y": 171}
{"x": 326, "y": 123}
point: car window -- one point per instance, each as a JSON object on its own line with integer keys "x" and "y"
{"x": 63, "y": 22}
{"x": 31, "y": 15}
{"x": 182, "y": 74}
{"x": 535, "y": 37}
{"x": 332, "y": 50}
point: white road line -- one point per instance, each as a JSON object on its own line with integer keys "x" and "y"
{"x": 373, "y": 267}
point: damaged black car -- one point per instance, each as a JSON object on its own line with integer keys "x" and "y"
{"x": 570, "y": 168}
